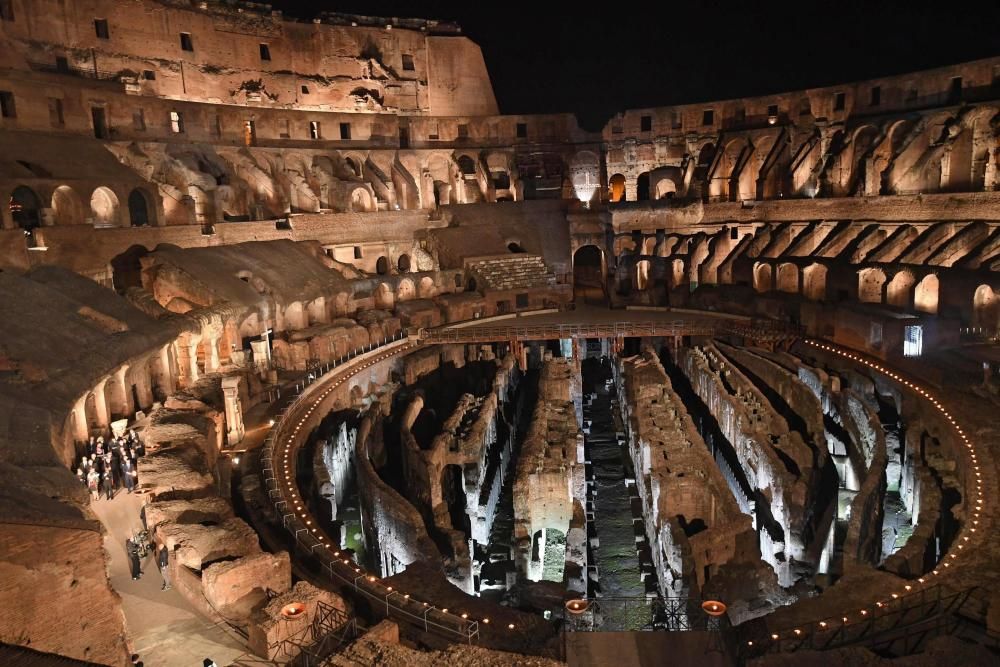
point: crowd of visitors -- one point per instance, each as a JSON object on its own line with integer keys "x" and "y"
{"x": 107, "y": 466}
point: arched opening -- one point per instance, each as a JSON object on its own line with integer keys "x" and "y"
{"x": 642, "y": 187}
{"x": 899, "y": 290}
{"x": 382, "y": 265}
{"x": 25, "y": 208}
{"x": 925, "y": 298}
{"x": 986, "y": 310}
{"x": 814, "y": 282}
{"x": 353, "y": 165}
{"x": 361, "y": 200}
{"x": 589, "y": 275}
{"x": 616, "y": 188}
{"x": 127, "y": 268}
{"x": 642, "y": 274}
{"x": 104, "y": 206}
{"x": 67, "y": 206}
{"x": 788, "y": 278}
{"x": 406, "y": 290}
{"x": 384, "y": 297}
{"x": 466, "y": 165}
{"x": 403, "y": 263}
{"x": 548, "y": 555}
{"x": 762, "y": 277}
{"x": 425, "y": 289}
{"x": 870, "y": 284}
{"x": 665, "y": 189}
{"x": 515, "y": 247}
{"x": 138, "y": 208}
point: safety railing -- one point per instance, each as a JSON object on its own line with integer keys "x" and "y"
{"x": 631, "y": 614}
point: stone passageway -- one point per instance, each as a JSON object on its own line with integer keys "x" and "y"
{"x": 613, "y": 533}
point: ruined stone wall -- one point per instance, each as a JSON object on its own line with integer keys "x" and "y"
{"x": 692, "y": 519}
{"x": 549, "y": 484}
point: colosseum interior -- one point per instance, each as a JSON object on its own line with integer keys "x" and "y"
{"x": 345, "y": 367}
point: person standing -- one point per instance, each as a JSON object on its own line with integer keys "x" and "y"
{"x": 109, "y": 489}
{"x": 128, "y": 474}
{"x": 92, "y": 481}
{"x": 163, "y": 560}
{"x": 133, "y": 559}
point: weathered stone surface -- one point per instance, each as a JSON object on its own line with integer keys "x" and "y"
{"x": 198, "y": 510}
{"x": 268, "y": 627}
{"x": 236, "y": 588}
{"x": 368, "y": 651}
{"x": 195, "y": 546}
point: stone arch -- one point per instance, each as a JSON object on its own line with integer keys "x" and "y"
{"x": 925, "y": 296}
{"x": 361, "y": 200}
{"x": 677, "y": 273}
{"x": 139, "y": 208}
{"x": 115, "y": 397}
{"x": 814, "y": 282}
{"x": 642, "y": 191}
{"x": 382, "y": 266}
{"x": 25, "y": 208}
{"x": 127, "y": 268}
{"x": 354, "y": 164}
{"x": 295, "y": 316}
{"x": 316, "y": 310}
{"x": 788, "y": 278}
{"x": 466, "y": 165}
{"x": 425, "y": 288}
{"x": 986, "y": 309}
{"x": 384, "y": 297}
{"x": 104, "y": 206}
{"x": 871, "y": 282}
{"x": 899, "y": 291}
{"x": 403, "y": 263}
{"x": 405, "y": 290}
{"x": 616, "y": 188}
{"x": 643, "y": 271}
{"x": 67, "y": 206}
{"x": 762, "y": 277}
{"x": 726, "y": 180}
{"x": 665, "y": 189}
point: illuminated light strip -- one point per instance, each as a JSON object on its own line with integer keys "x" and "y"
{"x": 302, "y": 513}
{"x": 965, "y": 440}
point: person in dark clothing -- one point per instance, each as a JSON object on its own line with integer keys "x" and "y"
{"x": 133, "y": 559}
{"x": 163, "y": 560}
{"x": 116, "y": 469}
{"x": 127, "y": 474}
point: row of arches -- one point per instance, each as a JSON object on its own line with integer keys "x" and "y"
{"x": 27, "y": 210}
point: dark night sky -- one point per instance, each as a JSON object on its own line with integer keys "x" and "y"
{"x": 630, "y": 54}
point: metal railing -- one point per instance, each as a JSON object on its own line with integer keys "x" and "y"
{"x": 338, "y": 567}
{"x": 330, "y": 630}
{"x": 756, "y": 329}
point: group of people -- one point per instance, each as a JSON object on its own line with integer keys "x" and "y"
{"x": 107, "y": 466}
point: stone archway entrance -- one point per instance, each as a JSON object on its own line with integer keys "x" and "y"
{"x": 590, "y": 271}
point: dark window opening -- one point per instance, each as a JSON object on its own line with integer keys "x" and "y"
{"x": 187, "y": 44}
{"x": 515, "y": 247}
{"x": 56, "y": 118}
{"x": 839, "y": 101}
{"x": 408, "y": 63}
{"x": 741, "y": 114}
{"x": 675, "y": 120}
{"x": 314, "y": 129}
{"x": 805, "y": 107}
{"x": 708, "y": 117}
{"x": 286, "y": 129}
{"x": 403, "y": 263}
{"x": 357, "y": 252}
{"x": 345, "y": 130}
{"x": 404, "y": 137}
{"x": 876, "y": 98}
{"x": 955, "y": 91}
{"x": 645, "y": 123}
{"x": 138, "y": 209}
{"x": 265, "y": 52}
{"x": 7, "y": 107}
{"x": 521, "y": 301}
{"x": 772, "y": 110}
{"x": 101, "y": 28}
{"x": 522, "y": 130}
{"x": 734, "y": 233}
{"x": 305, "y": 90}
{"x": 62, "y": 64}
{"x": 149, "y": 75}
{"x": 99, "y": 117}
{"x": 6, "y": 10}
{"x": 463, "y": 131}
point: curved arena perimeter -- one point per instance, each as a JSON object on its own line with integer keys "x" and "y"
{"x": 311, "y": 356}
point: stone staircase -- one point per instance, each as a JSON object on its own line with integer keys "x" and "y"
{"x": 507, "y": 272}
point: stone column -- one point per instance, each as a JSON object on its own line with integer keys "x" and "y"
{"x": 101, "y": 405}
{"x": 234, "y": 410}
{"x": 212, "y": 355}
{"x": 81, "y": 430}
{"x": 193, "y": 373}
